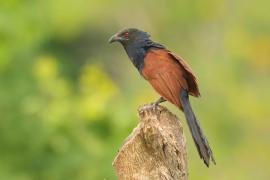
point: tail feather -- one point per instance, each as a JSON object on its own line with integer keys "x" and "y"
{"x": 200, "y": 140}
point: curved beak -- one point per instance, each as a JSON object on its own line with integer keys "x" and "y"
{"x": 114, "y": 38}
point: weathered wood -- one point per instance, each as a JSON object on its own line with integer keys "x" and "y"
{"x": 156, "y": 149}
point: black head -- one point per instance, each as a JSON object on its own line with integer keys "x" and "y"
{"x": 136, "y": 43}
{"x": 129, "y": 36}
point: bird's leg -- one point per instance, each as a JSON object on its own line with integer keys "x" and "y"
{"x": 157, "y": 102}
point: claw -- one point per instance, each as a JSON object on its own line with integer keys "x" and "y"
{"x": 154, "y": 106}
{"x": 151, "y": 106}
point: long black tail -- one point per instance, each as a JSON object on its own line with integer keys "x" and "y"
{"x": 200, "y": 140}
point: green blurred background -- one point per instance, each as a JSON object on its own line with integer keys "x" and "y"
{"x": 68, "y": 99}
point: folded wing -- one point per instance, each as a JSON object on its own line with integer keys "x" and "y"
{"x": 169, "y": 74}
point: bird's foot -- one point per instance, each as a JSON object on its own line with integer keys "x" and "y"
{"x": 151, "y": 106}
{"x": 156, "y": 103}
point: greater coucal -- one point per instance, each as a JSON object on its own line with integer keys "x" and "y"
{"x": 169, "y": 75}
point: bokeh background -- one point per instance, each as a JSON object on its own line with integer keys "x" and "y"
{"x": 68, "y": 99}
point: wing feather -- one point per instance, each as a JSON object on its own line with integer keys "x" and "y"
{"x": 165, "y": 74}
{"x": 193, "y": 88}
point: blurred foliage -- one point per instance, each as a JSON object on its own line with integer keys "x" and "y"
{"x": 68, "y": 99}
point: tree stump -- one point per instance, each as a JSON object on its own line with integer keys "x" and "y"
{"x": 156, "y": 149}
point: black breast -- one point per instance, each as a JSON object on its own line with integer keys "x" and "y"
{"x": 136, "y": 52}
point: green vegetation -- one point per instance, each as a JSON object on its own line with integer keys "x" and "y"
{"x": 68, "y": 99}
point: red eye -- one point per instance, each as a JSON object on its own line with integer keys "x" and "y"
{"x": 126, "y": 35}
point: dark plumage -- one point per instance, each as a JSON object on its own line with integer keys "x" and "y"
{"x": 169, "y": 75}
{"x": 136, "y": 43}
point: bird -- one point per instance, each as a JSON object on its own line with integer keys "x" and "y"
{"x": 170, "y": 75}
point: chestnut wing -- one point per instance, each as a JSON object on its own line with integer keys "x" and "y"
{"x": 165, "y": 75}
{"x": 191, "y": 79}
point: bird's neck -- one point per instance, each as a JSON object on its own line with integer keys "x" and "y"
{"x": 136, "y": 55}
{"x": 137, "y": 51}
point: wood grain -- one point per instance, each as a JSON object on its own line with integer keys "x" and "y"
{"x": 156, "y": 149}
